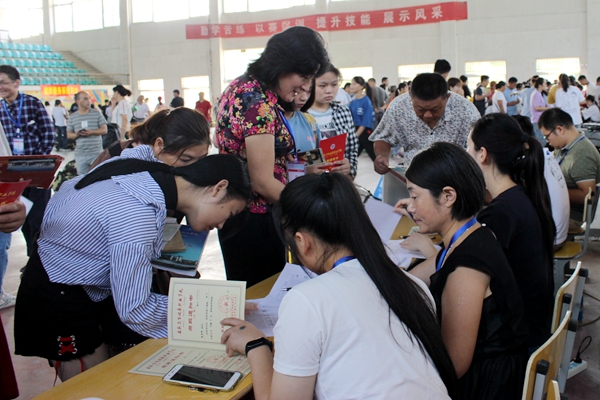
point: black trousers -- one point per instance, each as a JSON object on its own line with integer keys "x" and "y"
{"x": 365, "y": 144}
{"x": 253, "y": 253}
{"x": 33, "y": 222}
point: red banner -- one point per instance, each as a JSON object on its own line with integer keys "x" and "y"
{"x": 60, "y": 90}
{"x": 430, "y": 13}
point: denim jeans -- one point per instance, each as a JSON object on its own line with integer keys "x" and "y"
{"x": 61, "y": 136}
{"x": 4, "y": 246}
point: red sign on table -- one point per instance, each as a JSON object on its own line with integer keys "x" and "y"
{"x": 430, "y": 13}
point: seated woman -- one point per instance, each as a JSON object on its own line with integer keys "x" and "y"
{"x": 520, "y": 214}
{"x": 99, "y": 236}
{"x": 178, "y": 137}
{"x": 363, "y": 328}
{"x": 477, "y": 298}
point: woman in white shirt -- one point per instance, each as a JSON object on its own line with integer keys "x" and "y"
{"x": 362, "y": 329}
{"x": 121, "y": 113}
{"x": 592, "y": 112}
{"x": 499, "y": 100}
{"x": 569, "y": 99}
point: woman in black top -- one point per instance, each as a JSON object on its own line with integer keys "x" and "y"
{"x": 519, "y": 214}
{"x": 477, "y": 299}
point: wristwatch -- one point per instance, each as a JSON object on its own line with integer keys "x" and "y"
{"x": 263, "y": 341}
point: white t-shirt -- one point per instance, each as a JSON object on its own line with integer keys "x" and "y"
{"x": 142, "y": 110}
{"x": 498, "y": 95}
{"x": 342, "y": 97}
{"x": 559, "y": 195}
{"x": 356, "y": 348}
{"x": 569, "y": 102}
{"x": 60, "y": 116}
{"x": 592, "y": 112}
{"x": 324, "y": 123}
{"x": 122, "y": 108}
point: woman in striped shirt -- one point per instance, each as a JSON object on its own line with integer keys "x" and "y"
{"x": 99, "y": 235}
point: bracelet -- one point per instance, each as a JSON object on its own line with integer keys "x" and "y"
{"x": 253, "y": 344}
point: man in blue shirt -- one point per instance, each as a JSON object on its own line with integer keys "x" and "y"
{"x": 511, "y": 100}
{"x": 29, "y": 131}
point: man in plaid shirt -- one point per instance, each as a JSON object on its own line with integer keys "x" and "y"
{"x": 25, "y": 118}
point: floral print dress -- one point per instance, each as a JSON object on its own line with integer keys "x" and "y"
{"x": 248, "y": 108}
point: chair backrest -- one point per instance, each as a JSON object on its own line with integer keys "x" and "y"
{"x": 548, "y": 357}
{"x": 568, "y": 289}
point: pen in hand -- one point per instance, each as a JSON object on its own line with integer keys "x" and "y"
{"x": 409, "y": 213}
{"x": 287, "y": 289}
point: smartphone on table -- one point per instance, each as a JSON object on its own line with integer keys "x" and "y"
{"x": 204, "y": 378}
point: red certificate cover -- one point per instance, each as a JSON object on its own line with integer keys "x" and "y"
{"x": 11, "y": 191}
{"x": 333, "y": 149}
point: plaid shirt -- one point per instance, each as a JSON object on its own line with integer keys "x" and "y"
{"x": 36, "y": 125}
{"x": 342, "y": 119}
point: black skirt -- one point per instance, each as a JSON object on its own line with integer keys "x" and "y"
{"x": 60, "y": 322}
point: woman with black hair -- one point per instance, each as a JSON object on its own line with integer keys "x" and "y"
{"x": 362, "y": 110}
{"x": 251, "y": 125}
{"x": 592, "y": 112}
{"x": 88, "y": 281}
{"x": 363, "y": 328}
{"x": 121, "y": 112}
{"x": 570, "y": 99}
{"x": 477, "y": 299}
{"x": 520, "y": 214}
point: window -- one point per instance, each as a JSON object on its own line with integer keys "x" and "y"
{"x": 496, "y": 70}
{"x": 192, "y": 86}
{"x": 349, "y": 73}
{"x": 408, "y": 72}
{"x": 231, "y": 6}
{"x": 172, "y": 10}
{"x": 235, "y": 62}
{"x": 152, "y": 89}
{"x": 85, "y": 15}
{"x": 22, "y": 18}
{"x": 551, "y": 68}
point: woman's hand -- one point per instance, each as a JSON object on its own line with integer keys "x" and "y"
{"x": 240, "y": 333}
{"x": 317, "y": 169}
{"x": 342, "y": 166}
{"x": 12, "y": 216}
{"x": 401, "y": 207}
{"x": 421, "y": 243}
{"x": 250, "y": 307}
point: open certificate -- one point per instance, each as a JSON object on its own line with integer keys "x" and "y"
{"x": 196, "y": 308}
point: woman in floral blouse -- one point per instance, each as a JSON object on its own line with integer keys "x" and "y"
{"x": 251, "y": 126}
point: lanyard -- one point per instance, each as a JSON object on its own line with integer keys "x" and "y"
{"x": 17, "y": 123}
{"x": 563, "y": 155}
{"x": 289, "y": 128}
{"x": 342, "y": 260}
{"x": 455, "y": 237}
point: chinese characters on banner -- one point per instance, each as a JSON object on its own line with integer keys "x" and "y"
{"x": 431, "y": 13}
{"x": 60, "y": 90}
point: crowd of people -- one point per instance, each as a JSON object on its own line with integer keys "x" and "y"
{"x": 500, "y": 173}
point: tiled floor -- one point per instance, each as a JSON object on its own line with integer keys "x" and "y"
{"x": 35, "y": 376}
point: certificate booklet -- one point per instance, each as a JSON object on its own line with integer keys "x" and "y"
{"x": 333, "y": 148}
{"x": 196, "y": 308}
{"x": 11, "y": 191}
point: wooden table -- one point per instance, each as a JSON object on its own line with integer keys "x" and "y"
{"x": 111, "y": 379}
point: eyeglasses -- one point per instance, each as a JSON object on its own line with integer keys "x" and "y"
{"x": 551, "y": 132}
{"x": 3, "y": 83}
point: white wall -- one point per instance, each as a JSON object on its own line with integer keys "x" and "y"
{"x": 513, "y": 30}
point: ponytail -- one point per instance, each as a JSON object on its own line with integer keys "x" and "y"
{"x": 564, "y": 81}
{"x": 320, "y": 205}
{"x": 361, "y": 81}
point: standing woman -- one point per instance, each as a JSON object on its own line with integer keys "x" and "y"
{"x": 537, "y": 106}
{"x": 569, "y": 98}
{"x": 361, "y": 107}
{"x": 520, "y": 214}
{"x": 121, "y": 113}
{"x": 251, "y": 126}
{"x": 478, "y": 302}
{"x": 332, "y": 117}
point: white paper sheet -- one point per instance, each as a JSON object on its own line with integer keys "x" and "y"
{"x": 383, "y": 218}
{"x": 402, "y": 257}
{"x": 266, "y": 316}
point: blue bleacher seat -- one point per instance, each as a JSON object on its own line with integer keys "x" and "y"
{"x": 45, "y": 81}
{"x": 33, "y": 54}
{"x": 35, "y": 81}
{"x": 17, "y": 54}
{"x": 2, "y": 45}
{"x": 8, "y": 45}
{"x": 53, "y": 64}
{"x": 28, "y": 63}
{"x": 19, "y": 63}
{"x": 36, "y": 63}
{"x": 25, "y": 54}
{"x": 47, "y": 48}
{"x": 24, "y": 81}
{"x": 62, "y": 64}
{"x": 45, "y": 63}
{"x": 8, "y": 53}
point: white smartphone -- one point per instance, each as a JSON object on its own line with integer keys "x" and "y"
{"x": 205, "y": 378}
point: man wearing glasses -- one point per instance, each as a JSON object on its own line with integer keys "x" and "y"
{"x": 29, "y": 131}
{"x": 578, "y": 158}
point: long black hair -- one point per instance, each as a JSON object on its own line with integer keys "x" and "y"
{"x": 447, "y": 164}
{"x": 521, "y": 157}
{"x": 297, "y": 50}
{"x": 179, "y": 129}
{"x": 329, "y": 207}
{"x": 361, "y": 81}
{"x": 564, "y": 82}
